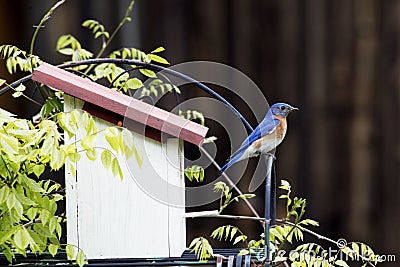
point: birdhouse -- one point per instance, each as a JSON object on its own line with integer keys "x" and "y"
{"x": 141, "y": 216}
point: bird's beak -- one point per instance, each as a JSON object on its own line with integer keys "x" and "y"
{"x": 293, "y": 109}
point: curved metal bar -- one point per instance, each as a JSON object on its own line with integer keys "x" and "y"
{"x": 168, "y": 71}
{"x": 14, "y": 84}
{"x": 149, "y": 66}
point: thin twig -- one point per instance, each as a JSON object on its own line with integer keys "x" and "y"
{"x": 26, "y": 225}
{"x": 231, "y": 183}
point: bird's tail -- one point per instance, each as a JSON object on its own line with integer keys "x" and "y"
{"x": 232, "y": 161}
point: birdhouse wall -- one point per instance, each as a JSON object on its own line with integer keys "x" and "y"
{"x": 140, "y": 216}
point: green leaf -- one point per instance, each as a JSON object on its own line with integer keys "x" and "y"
{"x": 48, "y": 144}
{"x": 44, "y": 216}
{"x": 134, "y": 83}
{"x": 2, "y": 81}
{"x": 11, "y": 200}
{"x": 274, "y": 231}
{"x": 355, "y": 248}
{"x": 138, "y": 157}
{"x": 285, "y": 185}
{"x": 196, "y": 172}
{"x": 88, "y": 142}
{"x": 158, "y": 59}
{"x": 24, "y": 200}
{"x": 80, "y": 258}
{"x": 219, "y": 186}
{"x": 188, "y": 173}
{"x": 194, "y": 241}
{"x": 52, "y": 224}
{"x": 31, "y": 213}
{"x": 243, "y": 252}
{"x": 57, "y": 158}
{"x": 127, "y": 138}
{"x": 116, "y": 169}
{"x": 91, "y": 154}
{"x": 59, "y": 229}
{"x": 227, "y": 230}
{"x": 22, "y": 238}
{"x": 20, "y": 88}
{"x": 111, "y": 135}
{"x": 158, "y": 50}
{"x": 33, "y": 186}
{"x": 341, "y": 263}
{"x": 233, "y": 232}
{"x": 9, "y": 144}
{"x": 57, "y": 197}
{"x": 53, "y": 103}
{"x": 46, "y": 109}
{"x": 106, "y": 158}
{"x": 70, "y": 250}
{"x": 309, "y": 222}
{"x": 8, "y": 253}
{"x": 239, "y": 238}
{"x": 202, "y": 248}
{"x": 66, "y": 51}
{"x": 10, "y": 232}
{"x": 148, "y": 73}
{"x": 53, "y": 249}
{"x": 72, "y": 170}
{"x": 74, "y": 157}
{"x": 4, "y": 192}
{"x": 17, "y": 94}
{"x": 38, "y": 170}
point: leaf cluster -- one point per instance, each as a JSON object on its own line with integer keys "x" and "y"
{"x": 195, "y": 172}
{"x": 193, "y": 115}
{"x": 202, "y": 248}
{"x": 290, "y": 231}
{"x": 28, "y": 205}
{"x": 226, "y": 195}
{"x": 18, "y": 60}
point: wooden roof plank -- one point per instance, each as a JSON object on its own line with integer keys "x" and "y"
{"x": 120, "y": 104}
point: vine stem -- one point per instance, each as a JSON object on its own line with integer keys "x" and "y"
{"x": 26, "y": 225}
{"x": 42, "y": 22}
{"x": 125, "y": 19}
{"x": 121, "y": 23}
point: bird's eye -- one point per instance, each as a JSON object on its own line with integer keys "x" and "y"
{"x": 283, "y": 107}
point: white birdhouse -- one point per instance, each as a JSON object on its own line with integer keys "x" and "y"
{"x": 141, "y": 216}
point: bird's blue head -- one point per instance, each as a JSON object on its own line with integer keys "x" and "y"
{"x": 281, "y": 109}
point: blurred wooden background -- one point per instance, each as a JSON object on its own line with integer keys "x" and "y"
{"x": 338, "y": 61}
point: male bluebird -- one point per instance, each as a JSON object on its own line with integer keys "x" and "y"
{"x": 268, "y": 135}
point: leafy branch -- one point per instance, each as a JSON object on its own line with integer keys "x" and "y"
{"x": 226, "y": 195}
{"x": 290, "y": 230}
{"x": 28, "y": 206}
{"x": 124, "y": 20}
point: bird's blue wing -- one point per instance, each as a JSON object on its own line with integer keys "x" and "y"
{"x": 267, "y": 126}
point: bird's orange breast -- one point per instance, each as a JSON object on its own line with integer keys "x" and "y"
{"x": 270, "y": 141}
{"x": 280, "y": 129}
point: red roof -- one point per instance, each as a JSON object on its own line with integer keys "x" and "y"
{"x": 113, "y": 106}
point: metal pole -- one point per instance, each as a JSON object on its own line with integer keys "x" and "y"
{"x": 268, "y": 205}
{"x": 273, "y": 194}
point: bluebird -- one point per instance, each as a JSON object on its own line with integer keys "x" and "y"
{"x": 267, "y": 136}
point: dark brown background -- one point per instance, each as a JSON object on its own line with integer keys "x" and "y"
{"x": 337, "y": 60}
